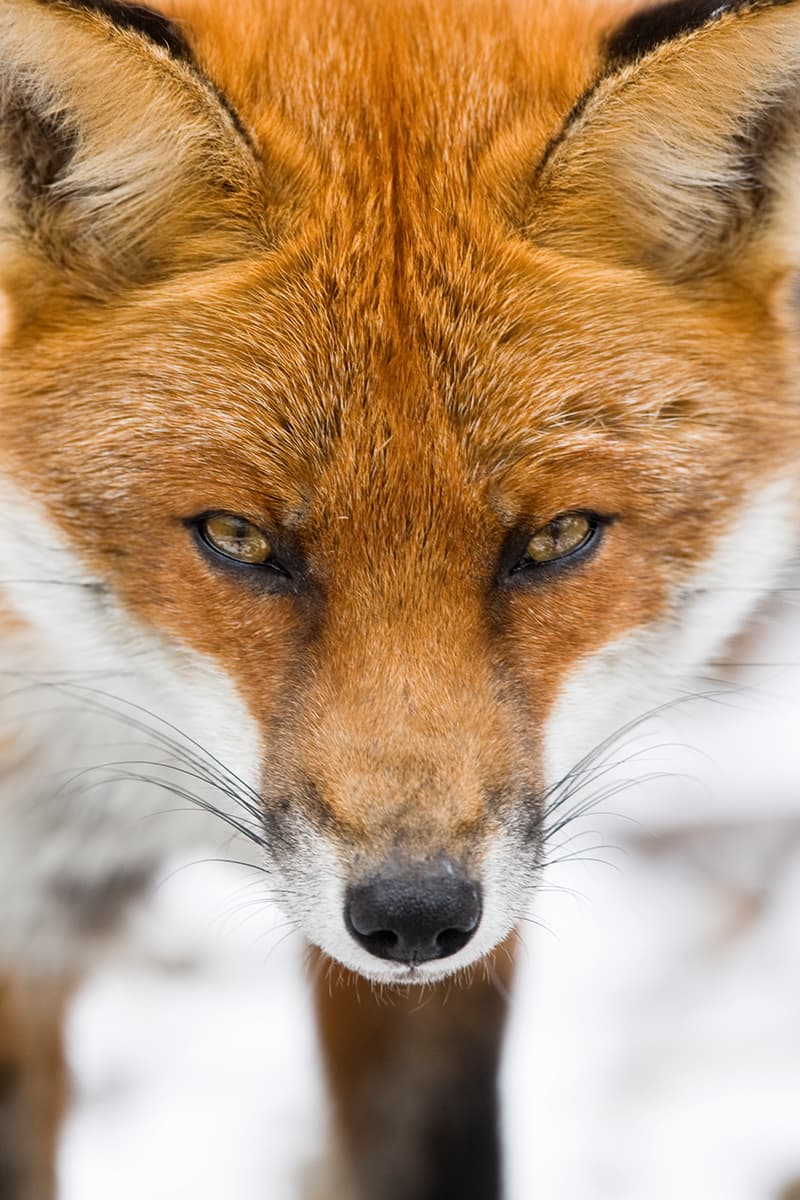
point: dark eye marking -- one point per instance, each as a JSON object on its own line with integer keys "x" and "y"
{"x": 43, "y": 145}
{"x": 564, "y": 542}
{"x": 238, "y": 546}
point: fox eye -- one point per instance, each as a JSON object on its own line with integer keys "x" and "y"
{"x": 563, "y": 536}
{"x": 236, "y": 538}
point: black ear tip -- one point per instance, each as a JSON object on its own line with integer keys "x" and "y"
{"x": 647, "y": 30}
{"x": 146, "y": 21}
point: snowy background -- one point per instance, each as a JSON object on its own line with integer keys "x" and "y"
{"x": 654, "y": 1050}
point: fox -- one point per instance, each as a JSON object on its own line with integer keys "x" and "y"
{"x": 397, "y": 401}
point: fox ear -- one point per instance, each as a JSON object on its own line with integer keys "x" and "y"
{"x": 118, "y": 160}
{"x": 685, "y": 156}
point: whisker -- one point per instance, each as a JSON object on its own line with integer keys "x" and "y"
{"x": 213, "y": 771}
{"x": 773, "y": 591}
{"x": 140, "y": 762}
{"x": 616, "y": 789}
{"x": 183, "y": 794}
{"x": 526, "y": 919}
{"x": 162, "y": 721}
{"x": 778, "y": 663}
{"x": 613, "y": 739}
{"x": 594, "y": 766}
{"x": 91, "y": 698}
{"x": 90, "y": 585}
{"x": 589, "y": 855}
{"x": 603, "y": 769}
{"x": 215, "y": 859}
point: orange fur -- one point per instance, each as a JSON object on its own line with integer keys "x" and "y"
{"x": 400, "y": 129}
{"x": 423, "y": 280}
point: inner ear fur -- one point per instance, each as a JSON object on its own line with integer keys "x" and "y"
{"x": 685, "y": 156}
{"x": 118, "y": 160}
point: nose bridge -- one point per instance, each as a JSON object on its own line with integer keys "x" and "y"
{"x": 405, "y": 728}
{"x": 403, "y": 713}
{"x": 412, "y": 671}
{"x": 397, "y": 784}
{"x": 399, "y": 687}
{"x": 414, "y": 640}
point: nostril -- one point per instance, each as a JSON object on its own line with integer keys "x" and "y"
{"x": 450, "y": 941}
{"x": 381, "y": 943}
{"x": 423, "y": 914}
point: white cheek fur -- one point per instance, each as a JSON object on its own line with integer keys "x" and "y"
{"x": 648, "y": 666}
{"x": 79, "y": 631}
{"x": 89, "y": 696}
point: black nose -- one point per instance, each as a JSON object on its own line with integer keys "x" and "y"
{"x": 414, "y": 916}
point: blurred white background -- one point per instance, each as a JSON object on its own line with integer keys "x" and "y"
{"x": 654, "y": 1049}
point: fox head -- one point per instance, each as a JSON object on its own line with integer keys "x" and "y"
{"x": 421, "y": 378}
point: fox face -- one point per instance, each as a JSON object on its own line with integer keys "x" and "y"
{"x": 414, "y": 404}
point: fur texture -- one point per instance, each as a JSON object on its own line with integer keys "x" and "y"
{"x": 399, "y": 284}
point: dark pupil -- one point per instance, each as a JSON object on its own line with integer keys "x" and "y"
{"x": 237, "y": 530}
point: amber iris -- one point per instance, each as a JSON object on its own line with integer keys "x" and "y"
{"x": 561, "y": 537}
{"x": 236, "y": 538}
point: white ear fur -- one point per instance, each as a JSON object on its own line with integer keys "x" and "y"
{"x": 115, "y": 158}
{"x": 687, "y": 160}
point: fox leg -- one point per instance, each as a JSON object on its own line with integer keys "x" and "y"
{"x": 33, "y": 1086}
{"x": 413, "y": 1076}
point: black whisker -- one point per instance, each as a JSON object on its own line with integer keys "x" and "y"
{"x": 162, "y": 721}
{"x": 183, "y": 794}
{"x": 590, "y": 803}
{"x": 212, "y": 770}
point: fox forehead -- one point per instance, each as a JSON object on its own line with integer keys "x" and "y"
{"x": 399, "y": 308}
{"x": 530, "y": 381}
{"x": 402, "y": 83}
{"x": 400, "y": 354}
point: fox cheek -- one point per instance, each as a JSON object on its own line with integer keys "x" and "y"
{"x": 606, "y": 698}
